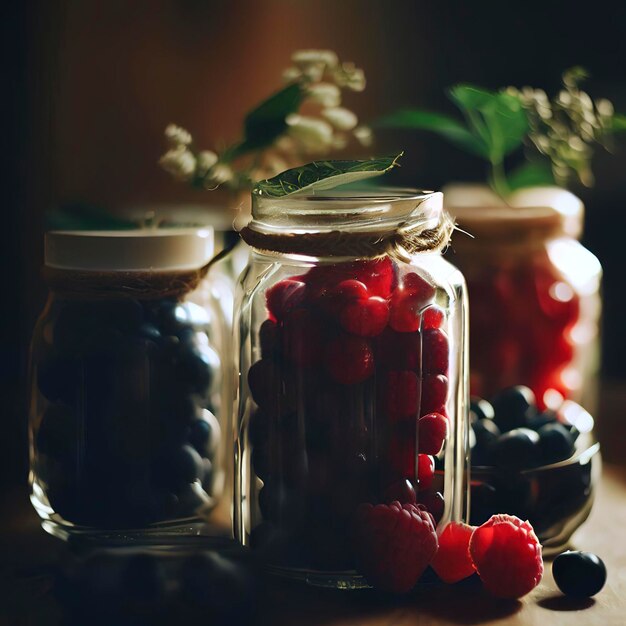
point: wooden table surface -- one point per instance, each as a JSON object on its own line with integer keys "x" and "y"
{"x": 26, "y": 552}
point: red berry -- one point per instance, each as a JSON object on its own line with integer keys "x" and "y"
{"x": 434, "y": 393}
{"x": 452, "y": 561}
{"x": 366, "y": 318}
{"x": 434, "y": 503}
{"x": 432, "y": 432}
{"x": 435, "y": 355}
{"x": 417, "y": 285}
{"x": 349, "y": 360}
{"x": 348, "y": 291}
{"x": 404, "y": 316}
{"x": 402, "y": 394}
{"x": 402, "y": 491}
{"x": 433, "y": 317}
{"x": 425, "y": 471}
{"x": 394, "y": 544}
{"x": 283, "y": 297}
{"x": 303, "y": 337}
{"x": 402, "y": 458}
{"x": 507, "y": 556}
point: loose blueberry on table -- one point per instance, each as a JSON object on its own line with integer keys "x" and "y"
{"x": 350, "y": 389}
{"x": 128, "y": 437}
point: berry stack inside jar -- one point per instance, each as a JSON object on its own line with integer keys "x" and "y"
{"x": 351, "y": 405}
{"x": 525, "y": 323}
{"x": 125, "y": 433}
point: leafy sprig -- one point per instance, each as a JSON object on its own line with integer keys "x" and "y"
{"x": 304, "y": 117}
{"x": 558, "y": 134}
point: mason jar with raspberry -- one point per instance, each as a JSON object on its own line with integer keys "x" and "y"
{"x": 351, "y": 339}
{"x": 534, "y": 292}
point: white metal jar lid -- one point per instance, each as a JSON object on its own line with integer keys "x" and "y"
{"x": 176, "y": 249}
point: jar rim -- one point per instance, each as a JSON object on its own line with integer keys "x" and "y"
{"x": 370, "y": 208}
{"x": 133, "y": 250}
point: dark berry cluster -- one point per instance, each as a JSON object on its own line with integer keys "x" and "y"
{"x": 524, "y": 463}
{"x": 351, "y": 393}
{"x": 125, "y": 435}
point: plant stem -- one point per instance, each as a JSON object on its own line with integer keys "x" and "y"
{"x": 497, "y": 179}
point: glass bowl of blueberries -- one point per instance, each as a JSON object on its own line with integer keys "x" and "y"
{"x": 541, "y": 465}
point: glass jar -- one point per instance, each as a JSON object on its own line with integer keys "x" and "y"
{"x": 346, "y": 335}
{"x": 126, "y": 403}
{"x": 534, "y": 293}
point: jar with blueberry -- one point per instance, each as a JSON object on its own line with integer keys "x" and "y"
{"x": 534, "y": 292}
{"x": 126, "y": 407}
{"x": 350, "y": 334}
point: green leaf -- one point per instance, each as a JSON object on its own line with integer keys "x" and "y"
{"x": 264, "y": 124}
{"x": 531, "y": 174}
{"x": 449, "y": 128}
{"x": 320, "y": 175}
{"x": 619, "y": 123}
{"x": 497, "y": 119}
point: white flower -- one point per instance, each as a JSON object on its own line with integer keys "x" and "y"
{"x": 349, "y": 76}
{"x": 179, "y": 162}
{"x": 291, "y": 74}
{"x": 221, "y": 173}
{"x": 304, "y": 58}
{"x": 605, "y": 108}
{"x": 364, "y": 135}
{"x": 206, "y": 160}
{"x": 177, "y": 136}
{"x": 315, "y": 135}
{"x": 326, "y": 94}
{"x": 340, "y": 118}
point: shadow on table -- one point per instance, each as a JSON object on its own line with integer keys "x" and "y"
{"x": 559, "y": 602}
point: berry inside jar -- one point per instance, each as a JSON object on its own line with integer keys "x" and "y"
{"x": 354, "y": 393}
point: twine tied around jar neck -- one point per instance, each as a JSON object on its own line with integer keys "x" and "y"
{"x": 401, "y": 241}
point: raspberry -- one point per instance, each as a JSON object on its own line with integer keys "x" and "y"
{"x": 434, "y": 393}
{"x": 402, "y": 394}
{"x": 283, "y": 297}
{"x": 425, "y": 471}
{"x": 366, "y": 318}
{"x": 452, "y": 561}
{"x": 435, "y": 352}
{"x": 394, "y": 544}
{"x": 432, "y": 432}
{"x": 349, "y": 360}
{"x": 346, "y": 292}
{"x": 507, "y": 556}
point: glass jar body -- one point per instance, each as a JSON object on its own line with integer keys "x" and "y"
{"x": 125, "y": 414}
{"x": 534, "y": 318}
{"x": 338, "y": 360}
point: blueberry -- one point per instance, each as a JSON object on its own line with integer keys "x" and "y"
{"x": 513, "y": 407}
{"x": 483, "y": 502}
{"x": 580, "y": 574}
{"x": 535, "y": 422}
{"x": 555, "y": 443}
{"x": 204, "y": 434}
{"x": 516, "y": 449}
{"x": 486, "y": 434}
{"x": 481, "y": 409}
{"x": 149, "y": 331}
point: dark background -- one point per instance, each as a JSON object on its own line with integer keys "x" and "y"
{"x": 89, "y": 86}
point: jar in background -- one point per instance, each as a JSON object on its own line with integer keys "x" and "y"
{"x": 534, "y": 293}
{"x": 126, "y": 408}
{"x": 350, "y": 326}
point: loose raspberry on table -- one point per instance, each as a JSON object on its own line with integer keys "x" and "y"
{"x": 394, "y": 544}
{"x": 452, "y": 562}
{"x": 507, "y": 556}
